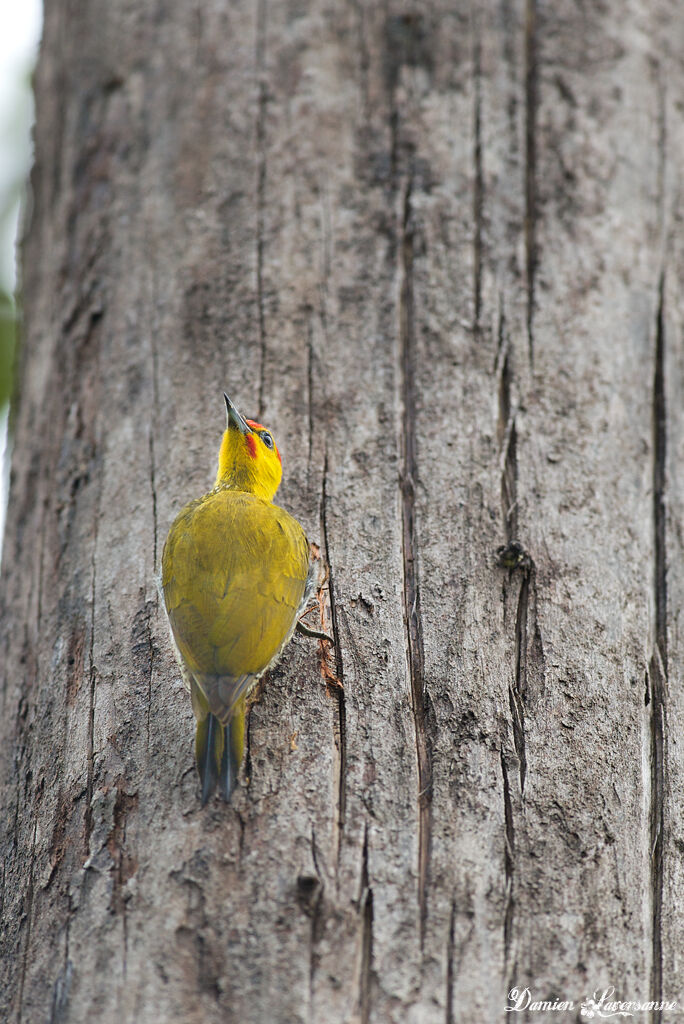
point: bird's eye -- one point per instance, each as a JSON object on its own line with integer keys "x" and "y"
{"x": 266, "y": 438}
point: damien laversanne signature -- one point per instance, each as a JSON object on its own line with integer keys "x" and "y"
{"x": 601, "y": 1005}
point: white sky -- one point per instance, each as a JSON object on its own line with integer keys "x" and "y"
{"x": 20, "y": 26}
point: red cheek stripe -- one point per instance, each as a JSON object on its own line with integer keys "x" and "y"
{"x": 279, "y": 459}
{"x": 251, "y": 445}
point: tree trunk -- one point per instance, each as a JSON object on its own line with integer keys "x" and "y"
{"x": 436, "y": 249}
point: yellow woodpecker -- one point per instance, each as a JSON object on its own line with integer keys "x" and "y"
{"x": 235, "y": 577}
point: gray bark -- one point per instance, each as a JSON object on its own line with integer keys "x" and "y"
{"x": 438, "y": 250}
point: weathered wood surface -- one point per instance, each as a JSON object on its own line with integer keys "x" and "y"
{"x": 438, "y": 249}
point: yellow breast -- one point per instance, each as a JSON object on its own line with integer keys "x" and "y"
{"x": 234, "y": 573}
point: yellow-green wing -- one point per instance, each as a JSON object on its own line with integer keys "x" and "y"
{"x": 234, "y": 574}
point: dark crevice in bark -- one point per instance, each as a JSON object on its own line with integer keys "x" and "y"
{"x": 503, "y": 367}
{"x": 337, "y": 691}
{"x": 518, "y": 692}
{"x": 366, "y": 976}
{"x": 150, "y": 672}
{"x": 68, "y": 966}
{"x": 88, "y": 823}
{"x": 29, "y": 918}
{"x": 123, "y": 865}
{"x": 155, "y": 409}
{"x": 659, "y": 480}
{"x": 478, "y": 185}
{"x": 241, "y": 833}
{"x": 60, "y": 994}
{"x": 153, "y": 489}
{"x": 449, "y": 1000}
{"x": 414, "y": 628}
{"x": 656, "y": 830}
{"x": 394, "y": 139}
{"x": 261, "y": 191}
{"x": 41, "y": 560}
{"x": 143, "y": 650}
{"x": 499, "y": 360}
{"x": 507, "y": 433}
{"x": 508, "y": 442}
{"x": 658, "y": 669}
{"x": 91, "y": 731}
{"x": 364, "y": 61}
{"x": 531, "y": 103}
{"x": 509, "y": 479}
{"x": 124, "y": 940}
{"x": 316, "y": 910}
{"x": 310, "y": 390}
{"x": 322, "y": 310}
{"x": 509, "y": 865}
{"x": 248, "y": 746}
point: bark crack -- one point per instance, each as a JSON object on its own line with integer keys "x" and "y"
{"x": 509, "y": 477}
{"x": 508, "y": 440}
{"x": 261, "y": 191}
{"x": 41, "y": 554}
{"x": 658, "y": 668}
{"x": 531, "y": 104}
{"x": 316, "y": 922}
{"x": 60, "y": 994}
{"x": 478, "y": 186}
{"x": 155, "y": 403}
{"x": 506, "y": 430}
{"x": 450, "y": 1019}
{"x": 340, "y": 725}
{"x": 150, "y": 672}
{"x": 509, "y": 865}
{"x": 91, "y": 704}
{"x": 153, "y": 488}
{"x": 414, "y": 628}
{"x": 364, "y": 61}
{"x": 309, "y": 390}
{"x": 366, "y": 978}
{"x": 518, "y": 691}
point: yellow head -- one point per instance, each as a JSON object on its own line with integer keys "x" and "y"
{"x": 248, "y": 457}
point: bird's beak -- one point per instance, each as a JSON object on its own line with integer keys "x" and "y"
{"x": 234, "y": 419}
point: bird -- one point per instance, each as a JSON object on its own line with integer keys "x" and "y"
{"x": 236, "y": 574}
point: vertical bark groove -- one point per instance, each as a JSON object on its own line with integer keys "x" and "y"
{"x": 414, "y": 628}
{"x": 340, "y": 728}
{"x": 450, "y": 953}
{"x": 150, "y": 672}
{"x": 478, "y": 182}
{"x": 509, "y": 872}
{"x": 506, "y": 432}
{"x": 153, "y": 491}
{"x": 364, "y": 60}
{"x": 262, "y": 100}
{"x": 315, "y": 909}
{"x": 309, "y": 394}
{"x": 60, "y": 994}
{"x": 366, "y": 974}
{"x": 518, "y": 691}
{"x": 88, "y": 821}
{"x": 658, "y": 670}
{"x": 531, "y": 104}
